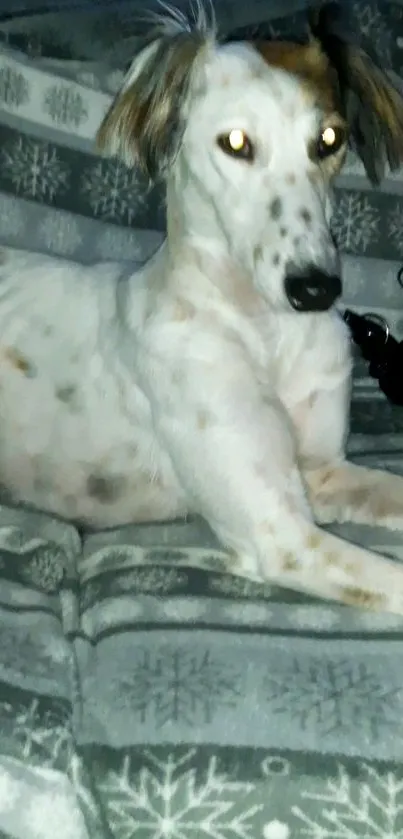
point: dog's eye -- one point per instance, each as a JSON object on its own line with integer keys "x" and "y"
{"x": 237, "y": 144}
{"x": 330, "y": 141}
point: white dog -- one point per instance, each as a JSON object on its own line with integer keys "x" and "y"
{"x": 216, "y": 379}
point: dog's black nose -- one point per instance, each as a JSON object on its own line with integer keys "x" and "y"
{"x": 310, "y": 289}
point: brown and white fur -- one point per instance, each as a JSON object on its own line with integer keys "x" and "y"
{"x": 193, "y": 385}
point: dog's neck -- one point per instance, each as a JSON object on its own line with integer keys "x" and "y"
{"x": 194, "y": 231}
{"x": 191, "y": 214}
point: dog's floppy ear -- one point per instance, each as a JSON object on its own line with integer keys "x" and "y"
{"x": 145, "y": 122}
{"x": 373, "y": 105}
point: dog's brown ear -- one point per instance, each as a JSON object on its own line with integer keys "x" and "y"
{"x": 373, "y": 106}
{"x": 145, "y": 122}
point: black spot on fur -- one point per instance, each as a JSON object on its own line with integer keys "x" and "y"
{"x": 66, "y": 394}
{"x": 306, "y": 216}
{"x": 276, "y": 259}
{"x": 105, "y": 488}
{"x": 276, "y": 208}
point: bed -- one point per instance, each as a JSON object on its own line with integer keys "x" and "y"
{"x": 145, "y": 691}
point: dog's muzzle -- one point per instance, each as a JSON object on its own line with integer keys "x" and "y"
{"x": 311, "y": 290}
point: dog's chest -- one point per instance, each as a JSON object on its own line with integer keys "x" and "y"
{"x": 306, "y": 355}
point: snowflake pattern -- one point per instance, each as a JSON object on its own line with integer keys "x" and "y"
{"x": 27, "y": 653}
{"x": 395, "y": 226}
{"x": 39, "y": 736}
{"x": 174, "y": 685}
{"x": 65, "y": 105}
{"x": 355, "y": 222}
{"x": 34, "y": 169}
{"x": 60, "y": 233}
{"x": 167, "y": 799}
{"x": 14, "y": 88}
{"x": 370, "y": 806}
{"x": 333, "y": 696}
{"x": 113, "y": 191}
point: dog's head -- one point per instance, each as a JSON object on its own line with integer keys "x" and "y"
{"x": 250, "y": 137}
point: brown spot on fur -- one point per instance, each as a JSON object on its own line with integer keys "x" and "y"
{"x": 183, "y": 310}
{"x": 283, "y": 232}
{"x": 203, "y": 419}
{"x": 358, "y": 497}
{"x": 290, "y": 179}
{"x": 319, "y": 87}
{"x": 384, "y": 506}
{"x": 331, "y": 558}
{"x": 19, "y": 362}
{"x": 314, "y": 541}
{"x": 326, "y": 475}
{"x": 289, "y": 562}
{"x": 359, "y": 597}
{"x": 306, "y": 61}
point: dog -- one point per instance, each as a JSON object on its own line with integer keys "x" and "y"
{"x": 215, "y": 379}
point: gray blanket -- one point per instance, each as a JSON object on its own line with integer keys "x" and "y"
{"x": 151, "y": 693}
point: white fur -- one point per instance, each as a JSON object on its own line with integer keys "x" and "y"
{"x": 191, "y": 385}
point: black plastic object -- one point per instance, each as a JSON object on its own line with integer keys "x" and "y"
{"x": 383, "y": 352}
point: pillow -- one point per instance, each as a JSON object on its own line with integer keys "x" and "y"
{"x": 56, "y": 194}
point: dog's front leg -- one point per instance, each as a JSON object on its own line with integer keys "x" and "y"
{"x": 344, "y": 492}
{"x": 339, "y": 490}
{"x": 234, "y": 456}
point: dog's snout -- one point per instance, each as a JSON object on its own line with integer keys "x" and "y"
{"x": 311, "y": 289}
